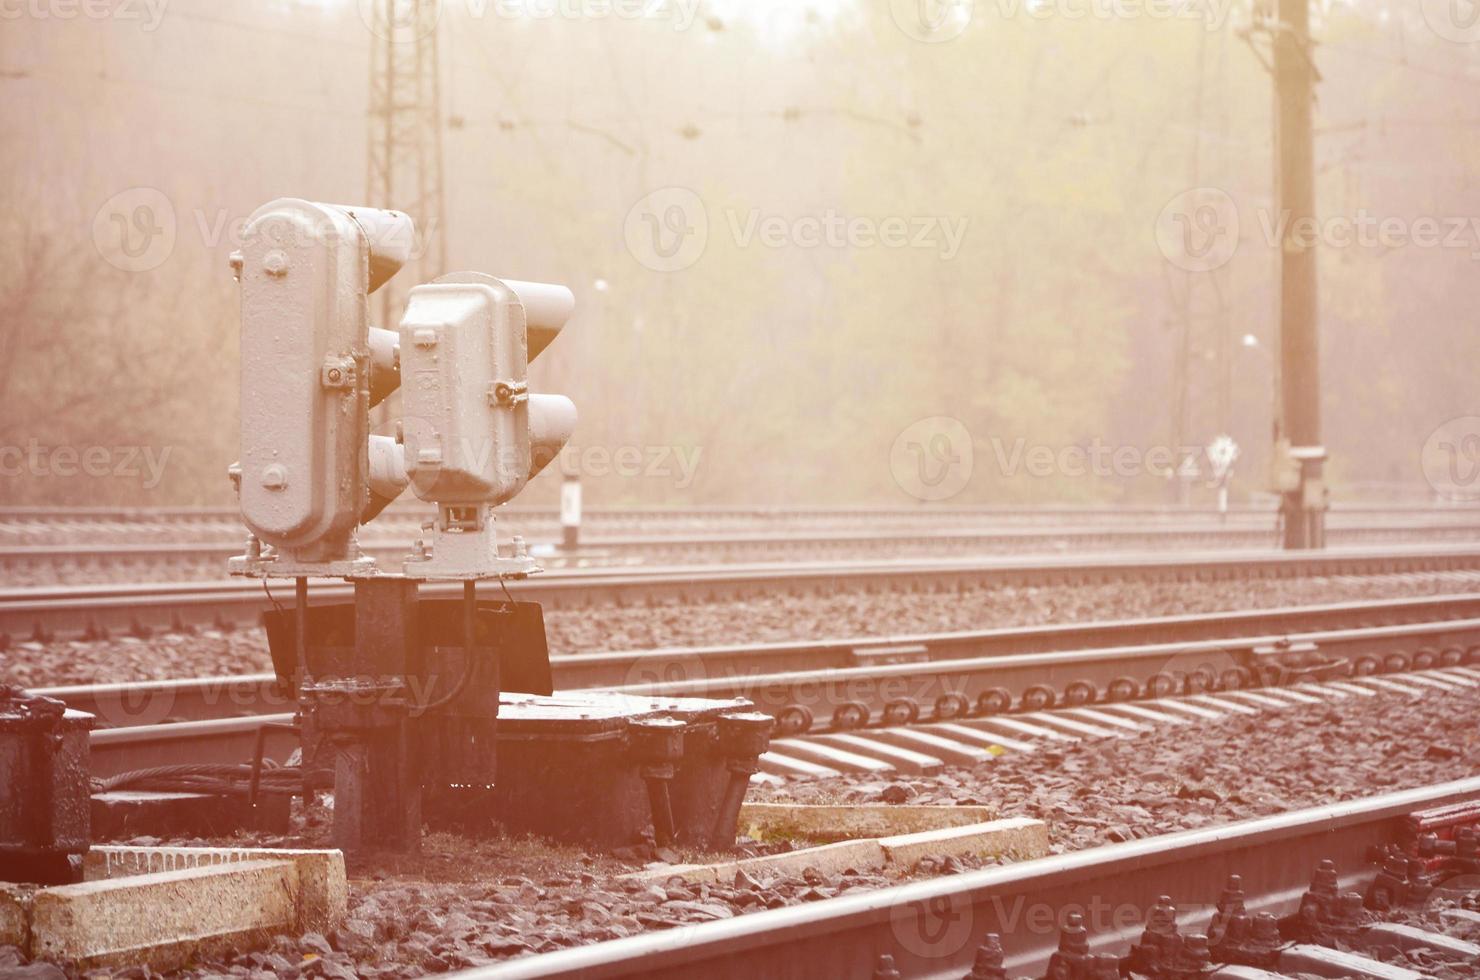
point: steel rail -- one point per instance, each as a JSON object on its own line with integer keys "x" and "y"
{"x": 15, "y": 559}
{"x": 202, "y": 698}
{"x": 944, "y": 690}
{"x": 838, "y": 698}
{"x": 931, "y": 928}
{"x": 43, "y": 513}
{"x": 52, "y": 611}
{"x": 145, "y": 527}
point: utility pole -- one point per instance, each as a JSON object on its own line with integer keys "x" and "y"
{"x": 404, "y": 170}
{"x": 1299, "y": 452}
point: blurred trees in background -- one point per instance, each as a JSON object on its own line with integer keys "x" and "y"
{"x": 788, "y": 371}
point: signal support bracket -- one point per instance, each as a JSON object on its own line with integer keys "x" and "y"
{"x": 273, "y": 566}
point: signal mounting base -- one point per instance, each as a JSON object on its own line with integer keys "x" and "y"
{"x": 272, "y": 565}
{"x": 465, "y": 548}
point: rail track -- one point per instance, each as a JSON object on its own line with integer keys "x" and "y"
{"x": 1068, "y": 908}
{"x": 1064, "y": 909}
{"x": 896, "y": 693}
{"x": 98, "y": 610}
{"x": 195, "y": 699}
{"x": 37, "y": 526}
{"x": 194, "y": 560}
{"x": 842, "y": 705}
{"x": 47, "y": 515}
{"x": 185, "y": 560}
{"x": 930, "y": 743}
{"x": 51, "y": 544}
{"x": 1092, "y": 902}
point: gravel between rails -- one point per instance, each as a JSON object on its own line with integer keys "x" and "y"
{"x": 467, "y": 902}
{"x": 1172, "y": 778}
{"x": 773, "y": 618}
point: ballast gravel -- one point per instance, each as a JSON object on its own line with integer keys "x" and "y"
{"x": 469, "y": 902}
{"x": 1177, "y": 777}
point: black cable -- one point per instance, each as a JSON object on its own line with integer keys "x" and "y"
{"x": 271, "y": 598}
{"x": 213, "y": 778}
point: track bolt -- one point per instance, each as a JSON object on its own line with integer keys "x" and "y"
{"x": 1072, "y": 958}
{"x": 885, "y": 970}
{"x": 989, "y": 960}
{"x": 1230, "y": 908}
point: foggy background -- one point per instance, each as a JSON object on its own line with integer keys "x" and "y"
{"x": 782, "y": 369}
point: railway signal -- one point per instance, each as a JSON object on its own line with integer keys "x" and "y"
{"x": 401, "y": 694}
{"x": 410, "y": 699}
{"x": 312, "y": 366}
{"x": 473, "y": 432}
{"x": 311, "y": 473}
{"x": 306, "y": 271}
